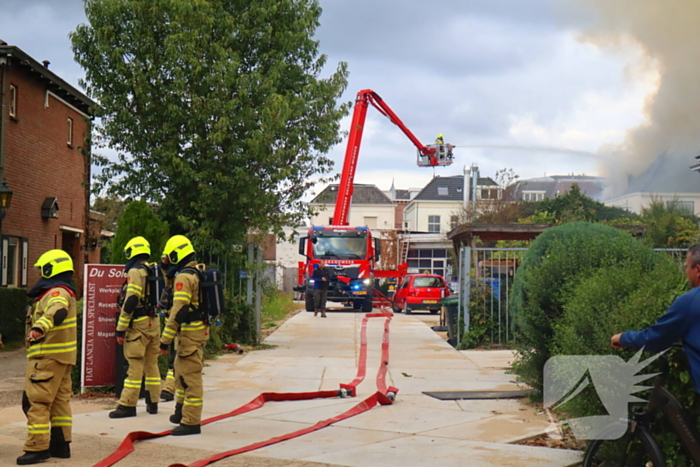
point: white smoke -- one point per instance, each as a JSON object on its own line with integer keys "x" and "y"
{"x": 668, "y": 34}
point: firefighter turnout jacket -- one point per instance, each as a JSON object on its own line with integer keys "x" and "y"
{"x": 187, "y": 325}
{"x": 48, "y": 389}
{"x": 141, "y": 331}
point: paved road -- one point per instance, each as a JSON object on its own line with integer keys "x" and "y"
{"x": 316, "y": 354}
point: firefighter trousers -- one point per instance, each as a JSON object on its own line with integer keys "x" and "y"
{"x": 141, "y": 350}
{"x": 188, "y": 371}
{"x": 46, "y": 402}
{"x": 169, "y": 385}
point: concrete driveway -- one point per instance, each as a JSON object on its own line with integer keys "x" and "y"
{"x": 313, "y": 353}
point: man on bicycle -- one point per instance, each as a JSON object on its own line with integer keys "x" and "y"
{"x": 681, "y": 322}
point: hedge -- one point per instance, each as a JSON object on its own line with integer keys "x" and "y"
{"x": 578, "y": 285}
{"x": 551, "y": 270}
{"x": 13, "y": 305}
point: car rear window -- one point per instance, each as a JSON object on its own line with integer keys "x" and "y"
{"x": 421, "y": 282}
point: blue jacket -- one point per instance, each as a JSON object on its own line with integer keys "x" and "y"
{"x": 681, "y": 322}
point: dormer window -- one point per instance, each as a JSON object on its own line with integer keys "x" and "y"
{"x": 442, "y": 191}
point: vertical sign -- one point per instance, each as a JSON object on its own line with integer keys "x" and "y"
{"x": 102, "y": 284}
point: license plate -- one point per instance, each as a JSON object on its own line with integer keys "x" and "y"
{"x": 360, "y": 292}
{"x": 430, "y": 301}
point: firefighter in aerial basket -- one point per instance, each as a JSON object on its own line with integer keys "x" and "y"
{"x": 189, "y": 327}
{"x": 138, "y": 330}
{"x": 51, "y": 354}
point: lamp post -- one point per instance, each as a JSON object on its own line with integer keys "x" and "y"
{"x": 5, "y": 199}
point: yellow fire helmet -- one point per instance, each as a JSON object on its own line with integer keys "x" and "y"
{"x": 440, "y": 135}
{"x": 54, "y": 262}
{"x": 177, "y": 248}
{"x": 137, "y": 246}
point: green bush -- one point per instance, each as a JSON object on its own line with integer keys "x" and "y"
{"x": 138, "y": 219}
{"x": 551, "y": 271}
{"x": 480, "y": 321}
{"x": 13, "y": 305}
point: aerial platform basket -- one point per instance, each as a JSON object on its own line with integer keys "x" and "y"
{"x": 444, "y": 156}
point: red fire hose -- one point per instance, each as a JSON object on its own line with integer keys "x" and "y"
{"x": 383, "y": 396}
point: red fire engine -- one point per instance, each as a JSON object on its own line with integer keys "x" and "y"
{"x": 350, "y": 253}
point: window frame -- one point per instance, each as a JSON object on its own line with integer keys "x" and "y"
{"x": 70, "y": 132}
{"x": 432, "y": 224}
{"x": 13, "y": 101}
{"x": 454, "y": 222}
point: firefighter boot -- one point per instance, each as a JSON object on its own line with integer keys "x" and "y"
{"x": 123, "y": 412}
{"x": 151, "y": 407}
{"x": 33, "y": 457}
{"x": 59, "y": 447}
{"x": 323, "y": 313}
{"x": 316, "y": 312}
{"x": 184, "y": 430}
{"x": 166, "y": 396}
{"x": 177, "y": 416}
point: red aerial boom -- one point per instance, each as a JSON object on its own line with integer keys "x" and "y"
{"x": 438, "y": 155}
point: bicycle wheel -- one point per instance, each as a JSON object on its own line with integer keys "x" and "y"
{"x": 633, "y": 449}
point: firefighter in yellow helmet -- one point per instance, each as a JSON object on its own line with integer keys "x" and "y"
{"x": 138, "y": 330}
{"x": 188, "y": 326}
{"x": 440, "y": 139}
{"x": 51, "y": 354}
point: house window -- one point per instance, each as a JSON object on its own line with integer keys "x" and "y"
{"x": 442, "y": 191}
{"x": 533, "y": 195}
{"x": 454, "y": 222}
{"x": 13, "y": 101}
{"x": 371, "y": 222}
{"x": 433, "y": 223}
{"x": 12, "y": 261}
{"x": 330, "y": 221}
{"x": 427, "y": 261}
{"x": 13, "y": 267}
{"x": 687, "y": 206}
{"x": 70, "y": 132}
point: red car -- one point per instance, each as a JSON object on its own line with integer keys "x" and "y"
{"x": 420, "y": 292}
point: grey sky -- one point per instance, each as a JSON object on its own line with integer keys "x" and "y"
{"x": 492, "y": 73}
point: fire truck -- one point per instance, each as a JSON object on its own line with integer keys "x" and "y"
{"x": 351, "y": 253}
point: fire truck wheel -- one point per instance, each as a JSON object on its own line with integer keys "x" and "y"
{"x": 357, "y": 305}
{"x": 367, "y": 305}
{"x": 395, "y": 307}
{"x": 309, "y": 303}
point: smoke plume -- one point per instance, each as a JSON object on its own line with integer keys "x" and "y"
{"x": 668, "y": 34}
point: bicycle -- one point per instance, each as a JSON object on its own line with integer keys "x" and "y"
{"x": 638, "y": 447}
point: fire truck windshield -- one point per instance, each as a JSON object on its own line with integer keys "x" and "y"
{"x": 340, "y": 247}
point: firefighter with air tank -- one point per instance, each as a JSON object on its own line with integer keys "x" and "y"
{"x": 188, "y": 325}
{"x": 51, "y": 353}
{"x": 138, "y": 330}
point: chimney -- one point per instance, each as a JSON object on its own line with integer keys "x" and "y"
{"x": 475, "y": 181}
{"x": 465, "y": 191}
{"x": 2, "y": 42}
{"x": 46, "y": 63}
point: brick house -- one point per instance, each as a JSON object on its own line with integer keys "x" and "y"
{"x": 44, "y": 161}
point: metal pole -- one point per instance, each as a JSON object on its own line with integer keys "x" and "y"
{"x": 460, "y": 298}
{"x": 249, "y": 278}
{"x": 258, "y": 292}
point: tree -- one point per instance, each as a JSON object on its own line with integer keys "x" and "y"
{"x": 505, "y": 208}
{"x": 669, "y": 225}
{"x": 216, "y": 107}
{"x": 139, "y": 219}
{"x": 112, "y": 208}
{"x": 576, "y": 206}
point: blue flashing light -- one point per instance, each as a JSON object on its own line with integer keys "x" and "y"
{"x": 317, "y": 227}
{"x": 362, "y": 228}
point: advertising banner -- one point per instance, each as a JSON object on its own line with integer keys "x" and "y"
{"x": 102, "y": 284}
